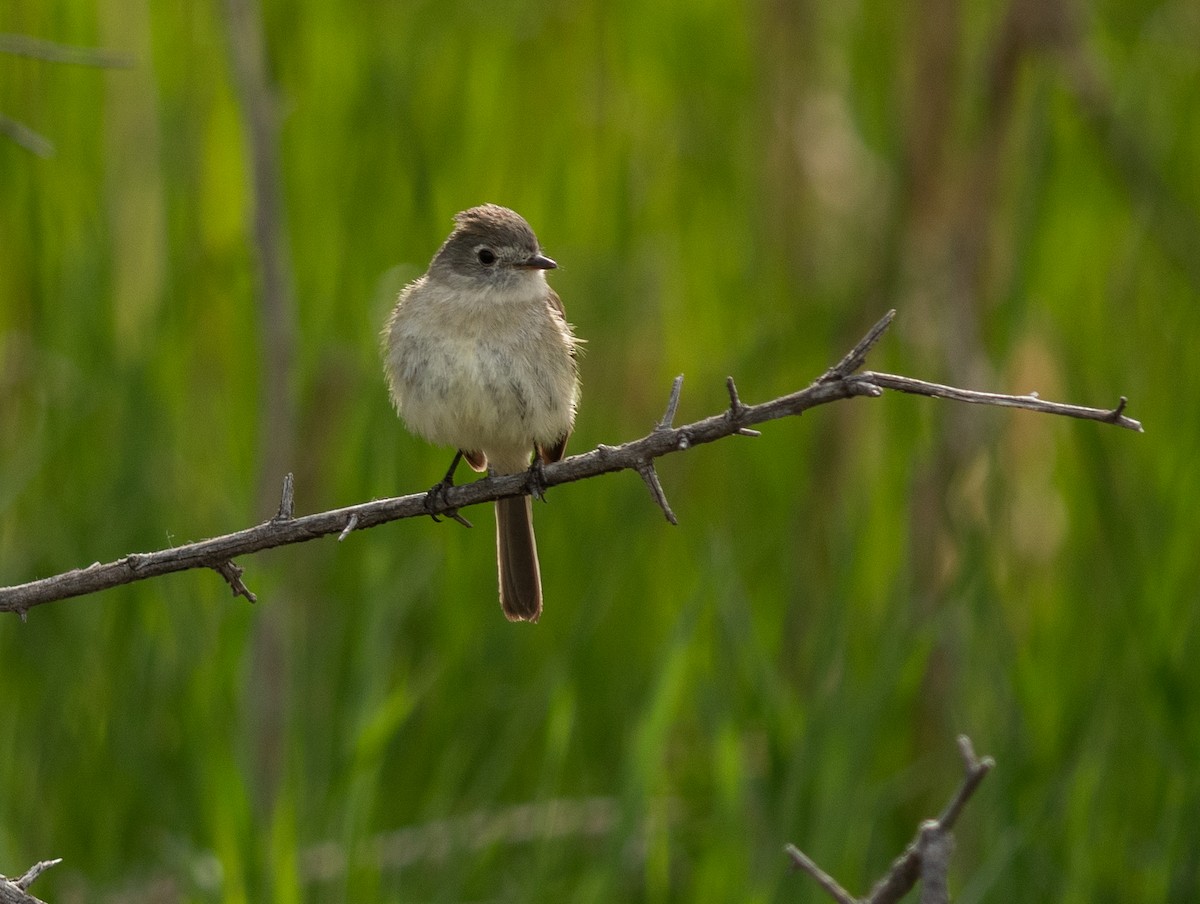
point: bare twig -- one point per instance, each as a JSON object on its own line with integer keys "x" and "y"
{"x": 439, "y": 840}
{"x": 16, "y": 891}
{"x": 1030, "y": 402}
{"x": 855, "y": 358}
{"x": 34, "y": 142}
{"x": 53, "y": 52}
{"x": 975, "y": 770}
{"x": 668, "y": 418}
{"x": 261, "y": 121}
{"x": 34, "y": 871}
{"x": 912, "y": 865}
{"x": 928, "y": 856}
{"x": 635, "y": 455}
{"x": 650, "y": 476}
{"x": 801, "y": 860}
{"x": 232, "y": 573}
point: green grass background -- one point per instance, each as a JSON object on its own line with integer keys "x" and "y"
{"x": 730, "y": 189}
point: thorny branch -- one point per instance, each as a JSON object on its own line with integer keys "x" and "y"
{"x": 927, "y": 858}
{"x": 839, "y": 382}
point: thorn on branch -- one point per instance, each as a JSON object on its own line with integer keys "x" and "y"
{"x": 857, "y": 356}
{"x": 735, "y": 403}
{"x": 668, "y": 418}
{"x": 34, "y": 871}
{"x": 350, "y": 525}
{"x": 650, "y": 476}
{"x": 232, "y": 573}
{"x": 287, "y": 503}
{"x": 736, "y": 409}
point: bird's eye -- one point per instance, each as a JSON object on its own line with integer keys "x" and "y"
{"x": 486, "y": 256}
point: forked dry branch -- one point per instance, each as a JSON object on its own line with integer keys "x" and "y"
{"x": 926, "y": 859}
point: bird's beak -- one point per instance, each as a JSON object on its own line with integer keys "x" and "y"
{"x": 538, "y": 262}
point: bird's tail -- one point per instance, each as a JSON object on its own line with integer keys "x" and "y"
{"x": 516, "y": 554}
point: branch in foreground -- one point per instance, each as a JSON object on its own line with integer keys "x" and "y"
{"x": 16, "y": 891}
{"x": 840, "y": 382}
{"x": 34, "y": 142}
{"x": 50, "y": 51}
{"x": 927, "y": 858}
{"x": 53, "y": 52}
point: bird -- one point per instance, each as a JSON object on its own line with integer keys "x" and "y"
{"x": 479, "y": 356}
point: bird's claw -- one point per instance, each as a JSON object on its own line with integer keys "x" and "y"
{"x": 435, "y": 503}
{"x": 536, "y": 479}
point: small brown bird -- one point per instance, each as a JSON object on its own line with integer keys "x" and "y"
{"x": 479, "y": 356}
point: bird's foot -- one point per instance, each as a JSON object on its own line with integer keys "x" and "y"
{"x": 435, "y": 499}
{"x": 535, "y": 479}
